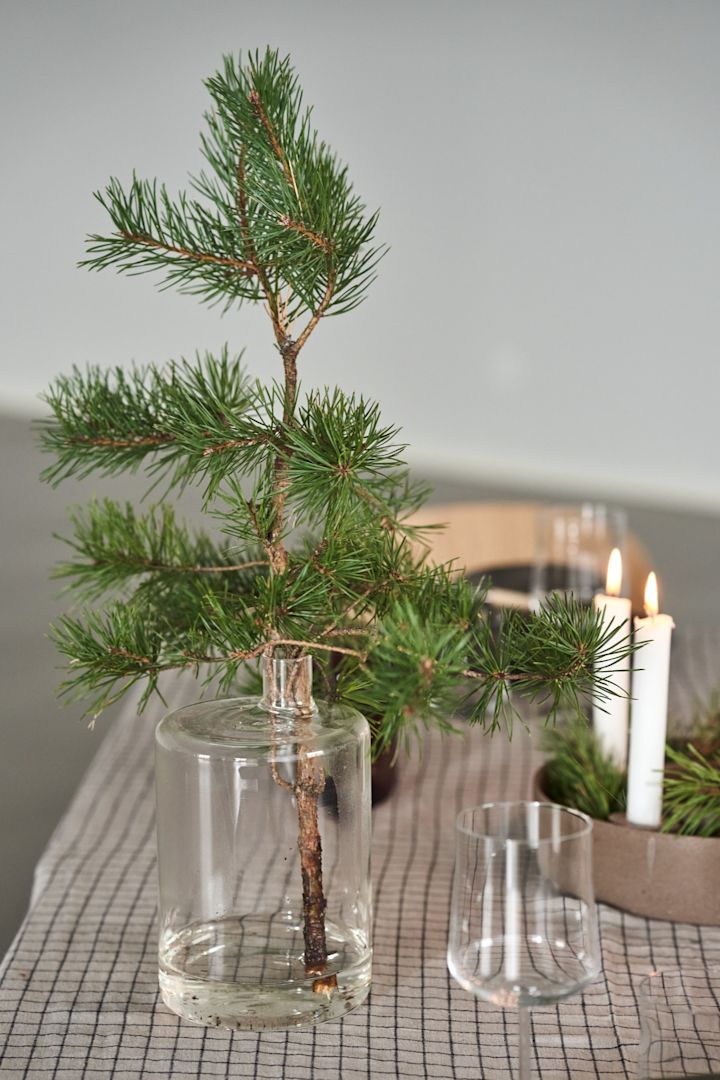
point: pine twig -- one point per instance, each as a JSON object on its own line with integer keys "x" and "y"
{"x": 257, "y": 105}
{"x": 315, "y": 238}
{"x": 319, "y": 311}
{"x": 246, "y": 268}
{"x": 106, "y": 441}
{"x": 579, "y": 774}
{"x": 691, "y": 792}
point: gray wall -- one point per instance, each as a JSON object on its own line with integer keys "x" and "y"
{"x": 549, "y": 175}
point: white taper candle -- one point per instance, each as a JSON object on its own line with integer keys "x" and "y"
{"x": 610, "y": 717}
{"x": 648, "y": 729}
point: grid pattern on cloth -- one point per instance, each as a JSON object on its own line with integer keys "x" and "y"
{"x": 78, "y": 988}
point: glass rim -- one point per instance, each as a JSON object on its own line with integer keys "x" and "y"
{"x": 483, "y": 835}
{"x": 609, "y": 509}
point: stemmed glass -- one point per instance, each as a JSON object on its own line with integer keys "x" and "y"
{"x": 523, "y": 926}
{"x": 572, "y": 547}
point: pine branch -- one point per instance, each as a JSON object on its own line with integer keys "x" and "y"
{"x": 691, "y": 792}
{"x": 193, "y": 247}
{"x": 180, "y": 421}
{"x": 337, "y": 463}
{"x": 113, "y": 546}
{"x": 579, "y": 774}
{"x": 259, "y": 109}
{"x": 564, "y": 652}
{"x": 404, "y": 669}
{"x": 306, "y": 222}
{"x": 132, "y": 240}
{"x": 127, "y": 643}
{"x": 276, "y": 215}
{"x": 340, "y": 453}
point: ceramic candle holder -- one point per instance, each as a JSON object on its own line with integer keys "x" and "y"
{"x": 658, "y": 875}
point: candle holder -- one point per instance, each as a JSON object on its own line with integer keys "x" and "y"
{"x": 651, "y": 873}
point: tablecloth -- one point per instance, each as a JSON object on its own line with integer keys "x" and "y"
{"x": 78, "y": 988}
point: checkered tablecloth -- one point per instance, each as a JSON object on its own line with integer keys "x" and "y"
{"x": 78, "y": 988}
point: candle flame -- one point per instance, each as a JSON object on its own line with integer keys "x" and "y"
{"x": 614, "y": 573}
{"x": 651, "y": 595}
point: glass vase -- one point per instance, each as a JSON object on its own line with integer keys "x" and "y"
{"x": 264, "y": 856}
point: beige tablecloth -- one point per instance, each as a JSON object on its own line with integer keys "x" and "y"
{"x": 78, "y": 989}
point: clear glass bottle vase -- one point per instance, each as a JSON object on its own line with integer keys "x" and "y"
{"x": 264, "y": 856}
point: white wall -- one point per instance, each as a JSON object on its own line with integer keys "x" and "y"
{"x": 549, "y": 173}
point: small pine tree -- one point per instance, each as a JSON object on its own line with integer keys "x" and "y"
{"x": 316, "y": 551}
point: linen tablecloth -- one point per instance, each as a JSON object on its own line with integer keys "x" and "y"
{"x": 78, "y": 988}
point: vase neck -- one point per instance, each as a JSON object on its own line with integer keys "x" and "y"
{"x": 287, "y": 684}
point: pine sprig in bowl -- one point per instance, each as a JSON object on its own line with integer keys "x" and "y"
{"x": 580, "y": 775}
{"x": 691, "y": 790}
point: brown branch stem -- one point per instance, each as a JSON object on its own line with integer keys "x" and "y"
{"x": 193, "y": 660}
{"x": 144, "y": 660}
{"x": 277, "y": 149}
{"x": 319, "y": 311}
{"x": 315, "y": 238}
{"x": 276, "y": 546}
{"x": 168, "y": 568}
{"x": 161, "y": 439}
{"x": 121, "y": 444}
{"x": 306, "y": 790}
{"x": 246, "y": 268}
{"x": 505, "y": 676}
{"x": 257, "y": 650}
{"x": 234, "y": 444}
{"x": 223, "y": 569}
{"x": 251, "y": 252}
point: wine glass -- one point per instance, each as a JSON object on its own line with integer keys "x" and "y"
{"x": 680, "y": 1023}
{"x": 523, "y": 926}
{"x": 572, "y": 548}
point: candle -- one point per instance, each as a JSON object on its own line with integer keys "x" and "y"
{"x": 651, "y": 674}
{"x": 610, "y": 718}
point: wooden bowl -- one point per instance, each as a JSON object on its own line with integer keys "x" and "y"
{"x": 659, "y": 875}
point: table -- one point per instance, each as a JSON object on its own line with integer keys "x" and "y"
{"x": 78, "y": 989}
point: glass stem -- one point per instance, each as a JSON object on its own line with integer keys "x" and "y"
{"x": 523, "y": 1043}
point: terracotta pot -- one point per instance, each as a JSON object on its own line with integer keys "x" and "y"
{"x": 384, "y": 775}
{"x": 659, "y": 875}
